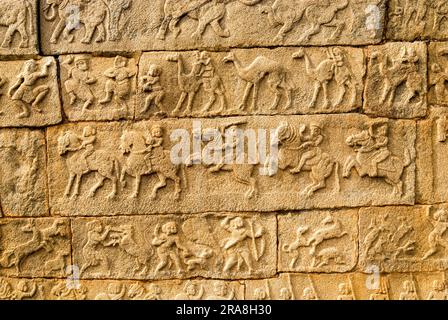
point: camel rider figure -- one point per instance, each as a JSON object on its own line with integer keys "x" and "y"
{"x": 382, "y": 152}
{"x": 154, "y": 142}
{"x": 311, "y": 145}
{"x": 88, "y": 139}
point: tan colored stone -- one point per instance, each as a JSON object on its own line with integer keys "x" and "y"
{"x": 172, "y": 25}
{"x": 438, "y": 73}
{"x": 98, "y": 88}
{"x": 432, "y": 176}
{"x": 119, "y": 148}
{"x": 417, "y": 19}
{"x": 403, "y": 239}
{"x": 34, "y": 247}
{"x": 349, "y": 286}
{"x": 29, "y": 93}
{"x": 167, "y": 247}
{"x": 396, "y": 85}
{"x": 23, "y": 174}
{"x": 18, "y": 28}
{"x": 46, "y": 289}
{"x": 292, "y": 81}
{"x": 318, "y": 241}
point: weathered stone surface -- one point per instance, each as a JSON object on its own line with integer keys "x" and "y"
{"x": 23, "y": 174}
{"x": 97, "y": 88}
{"x": 340, "y": 176}
{"x": 396, "y": 85}
{"x": 403, "y": 239}
{"x": 18, "y": 28}
{"x": 318, "y": 241}
{"x": 29, "y": 93}
{"x": 431, "y": 158}
{"x": 292, "y": 81}
{"x": 417, "y": 19}
{"x": 34, "y": 247}
{"x": 349, "y": 286}
{"x": 438, "y": 73}
{"x": 167, "y": 247}
{"x": 45, "y": 289}
{"x": 171, "y": 25}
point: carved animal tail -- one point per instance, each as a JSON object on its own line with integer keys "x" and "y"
{"x": 336, "y": 177}
{"x": 5, "y": 259}
{"x": 49, "y": 11}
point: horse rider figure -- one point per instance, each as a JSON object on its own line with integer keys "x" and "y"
{"x": 88, "y": 138}
{"x": 380, "y": 146}
{"x": 311, "y": 145}
{"x": 154, "y": 142}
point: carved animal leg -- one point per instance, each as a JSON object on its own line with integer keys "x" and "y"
{"x": 342, "y": 92}
{"x": 89, "y": 34}
{"x": 71, "y": 178}
{"x": 230, "y": 263}
{"x": 101, "y": 33}
{"x": 274, "y": 85}
{"x": 163, "y": 28}
{"x": 8, "y": 36}
{"x": 286, "y": 28}
{"x": 249, "y": 86}
{"x": 314, "y": 29}
{"x": 348, "y": 166}
{"x": 113, "y": 192}
{"x": 190, "y": 101}
{"x": 326, "y": 97}
{"x": 219, "y": 30}
{"x": 210, "y": 102}
{"x": 24, "y": 43}
{"x": 57, "y": 31}
{"x": 254, "y": 105}
{"x": 180, "y": 102}
{"x": 177, "y": 184}
{"x": 174, "y": 27}
{"x": 136, "y": 186}
{"x": 317, "y": 87}
{"x": 386, "y": 91}
{"x": 98, "y": 185}
{"x": 159, "y": 185}
{"x": 77, "y": 185}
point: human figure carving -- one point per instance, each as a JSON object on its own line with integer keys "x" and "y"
{"x": 26, "y": 91}
{"x": 254, "y": 73}
{"x": 114, "y": 291}
{"x": 345, "y": 292}
{"x": 82, "y": 158}
{"x": 119, "y": 84}
{"x": 409, "y": 291}
{"x": 169, "y": 247}
{"x": 92, "y": 250}
{"x": 373, "y": 157}
{"x": 241, "y": 245}
{"x": 439, "y": 80}
{"x": 221, "y": 291}
{"x": 299, "y": 242}
{"x": 150, "y": 84}
{"x": 144, "y": 156}
{"x": 438, "y": 291}
{"x": 191, "y": 292}
{"x": 439, "y": 222}
{"x": 78, "y": 85}
{"x": 290, "y": 139}
{"x": 17, "y": 16}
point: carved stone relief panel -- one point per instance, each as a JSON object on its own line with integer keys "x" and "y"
{"x": 98, "y": 88}
{"x": 396, "y": 85}
{"x": 318, "y": 241}
{"x": 403, "y": 239}
{"x": 18, "y": 27}
{"x": 417, "y": 19}
{"x": 29, "y": 93}
{"x": 70, "y": 26}
{"x": 166, "y": 247}
{"x": 23, "y": 175}
{"x": 262, "y": 81}
{"x": 34, "y": 247}
{"x": 438, "y": 73}
{"x": 349, "y": 286}
{"x": 175, "y": 165}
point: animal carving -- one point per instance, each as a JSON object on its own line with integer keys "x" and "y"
{"x": 331, "y": 229}
{"x": 318, "y": 13}
{"x": 207, "y": 12}
{"x": 254, "y": 73}
{"x": 17, "y": 16}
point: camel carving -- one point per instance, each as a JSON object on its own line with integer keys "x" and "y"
{"x": 320, "y": 13}
{"x": 207, "y": 12}
{"x": 253, "y": 74}
{"x": 189, "y": 84}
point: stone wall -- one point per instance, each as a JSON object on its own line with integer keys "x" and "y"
{"x": 113, "y": 116}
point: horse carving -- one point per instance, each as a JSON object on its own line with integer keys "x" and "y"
{"x": 17, "y": 15}
{"x": 140, "y": 162}
{"x": 102, "y": 162}
{"x": 373, "y": 159}
{"x": 300, "y": 153}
